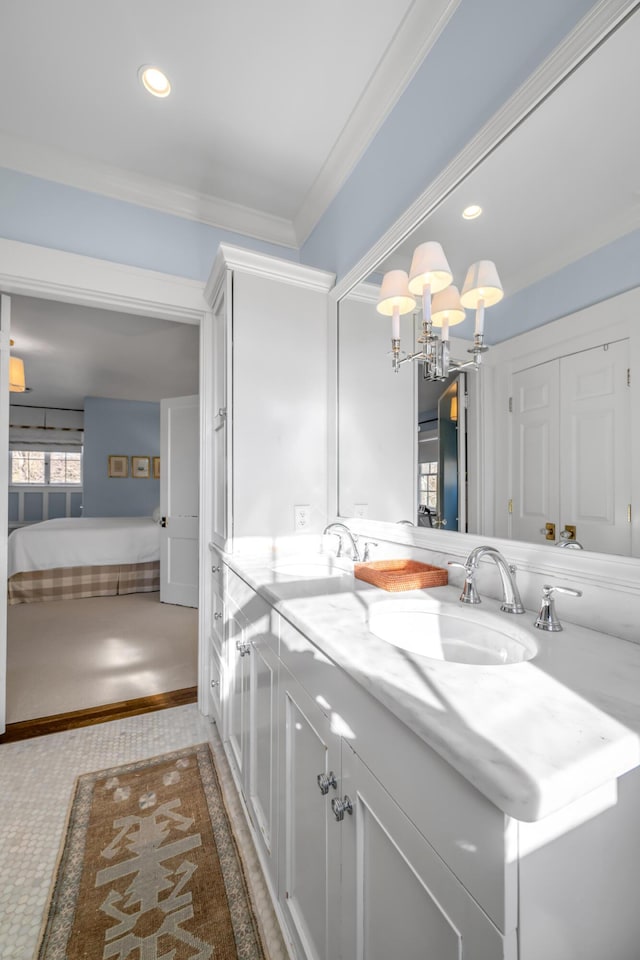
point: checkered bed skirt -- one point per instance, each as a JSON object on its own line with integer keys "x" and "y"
{"x": 75, "y": 583}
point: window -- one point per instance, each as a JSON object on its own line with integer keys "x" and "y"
{"x": 43, "y": 468}
{"x": 429, "y": 484}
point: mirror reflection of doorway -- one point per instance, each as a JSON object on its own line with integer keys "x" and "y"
{"x": 442, "y": 461}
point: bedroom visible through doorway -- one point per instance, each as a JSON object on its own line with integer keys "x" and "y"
{"x": 105, "y": 374}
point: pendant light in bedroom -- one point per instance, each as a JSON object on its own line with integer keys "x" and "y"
{"x": 16, "y": 374}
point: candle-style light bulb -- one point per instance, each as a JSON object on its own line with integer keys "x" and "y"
{"x": 395, "y": 323}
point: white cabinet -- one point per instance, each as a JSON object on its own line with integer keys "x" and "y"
{"x": 221, "y": 440}
{"x": 237, "y": 683}
{"x": 261, "y": 775}
{"x": 417, "y": 868}
{"x": 309, "y": 836}
{"x": 216, "y": 646}
{"x": 269, "y": 319}
{"x": 398, "y": 898}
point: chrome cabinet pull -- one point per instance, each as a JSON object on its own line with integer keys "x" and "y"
{"x": 217, "y": 616}
{"x": 243, "y": 648}
{"x": 326, "y": 780}
{"x": 215, "y": 569}
{"x": 340, "y": 806}
{"x": 215, "y": 683}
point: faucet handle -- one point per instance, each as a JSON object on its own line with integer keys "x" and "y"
{"x": 367, "y": 549}
{"x": 547, "y": 619}
{"x": 469, "y": 591}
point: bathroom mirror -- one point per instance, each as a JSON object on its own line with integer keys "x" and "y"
{"x": 560, "y": 202}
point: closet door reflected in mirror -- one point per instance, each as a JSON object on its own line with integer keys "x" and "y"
{"x": 572, "y": 449}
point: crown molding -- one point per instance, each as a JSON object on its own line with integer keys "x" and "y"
{"x": 415, "y": 36}
{"x": 50, "y": 163}
{"x": 587, "y": 35}
{"x": 365, "y": 292}
{"x": 35, "y": 271}
{"x": 285, "y": 271}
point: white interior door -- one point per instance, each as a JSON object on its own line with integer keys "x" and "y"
{"x": 535, "y": 451}
{"x": 179, "y": 488}
{"x": 5, "y": 329}
{"x": 595, "y": 447}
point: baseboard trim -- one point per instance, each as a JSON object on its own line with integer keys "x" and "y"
{"x": 42, "y": 726}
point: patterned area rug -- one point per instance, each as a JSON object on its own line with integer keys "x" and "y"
{"x": 149, "y": 868}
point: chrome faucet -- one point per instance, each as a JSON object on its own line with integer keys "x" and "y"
{"x": 511, "y": 602}
{"x": 342, "y": 530}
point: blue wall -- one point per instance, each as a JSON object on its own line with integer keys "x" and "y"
{"x": 50, "y": 214}
{"x": 486, "y": 51}
{"x": 127, "y": 428}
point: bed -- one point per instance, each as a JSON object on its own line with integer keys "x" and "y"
{"x": 71, "y": 558}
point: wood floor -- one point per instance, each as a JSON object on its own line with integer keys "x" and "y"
{"x": 86, "y": 718}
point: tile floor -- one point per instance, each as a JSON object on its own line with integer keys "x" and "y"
{"x": 36, "y": 785}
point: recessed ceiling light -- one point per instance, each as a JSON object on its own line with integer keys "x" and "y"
{"x": 155, "y": 81}
{"x": 472, "y": 211}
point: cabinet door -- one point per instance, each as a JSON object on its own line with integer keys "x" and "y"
{"x": 398, "y": 898}
{"x": 215, "y": 686}
{"x": 262, "y": 778}
{"x": 222, "y": 321}
{"x": 237, "y": 688}
{"x": 308, "y": 836}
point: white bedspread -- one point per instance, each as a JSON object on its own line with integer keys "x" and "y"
{"x": 83, "y": 541}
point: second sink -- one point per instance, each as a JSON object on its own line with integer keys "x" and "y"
{"x": 440, "y": 631}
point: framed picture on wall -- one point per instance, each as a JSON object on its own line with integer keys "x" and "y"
{"x": 156, "y": 468}
{"x": 118, "y": 466}
{"x": 140, "y": 467}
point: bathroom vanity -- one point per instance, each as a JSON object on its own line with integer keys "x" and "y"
{"x": 405, "y": 806}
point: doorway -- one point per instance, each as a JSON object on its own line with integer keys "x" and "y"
{"x": 80, "y": 281}
{"x": 94, "y": 648}
{"x": 442, "y": 453}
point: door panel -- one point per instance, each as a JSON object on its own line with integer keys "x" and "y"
{"x": 179, "y": 452}
{"x": 595, "y": 488}
{"x": 535, "y": 451}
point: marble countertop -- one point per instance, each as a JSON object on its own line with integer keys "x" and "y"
{"x": 531, "y": 736}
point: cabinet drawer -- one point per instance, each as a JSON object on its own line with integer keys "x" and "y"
{"x": 256, "y": 614}
{"x": 470, "y": 834}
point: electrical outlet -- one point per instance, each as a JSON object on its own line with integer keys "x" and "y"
{"x": 360, "y": 510}
{"x": 301, "y": 516}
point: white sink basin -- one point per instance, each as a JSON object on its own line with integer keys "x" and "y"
{"x": 314, "y": 567}
{"x": 444, "y": 631}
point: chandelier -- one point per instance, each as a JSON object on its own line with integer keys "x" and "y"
{"x": 430, "y": 278}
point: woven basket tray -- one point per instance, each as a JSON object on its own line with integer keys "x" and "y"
{"x": 396, "y": 575}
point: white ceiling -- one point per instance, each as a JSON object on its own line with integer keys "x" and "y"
{"x": 71, "y": 352}
{"x": 271, "y": 103}
{"x": 562, "y": 185}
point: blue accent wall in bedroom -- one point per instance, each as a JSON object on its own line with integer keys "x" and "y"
{"x": 127, "y": 428}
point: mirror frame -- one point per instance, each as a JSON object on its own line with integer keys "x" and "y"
{"x": 577, "y": 46}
